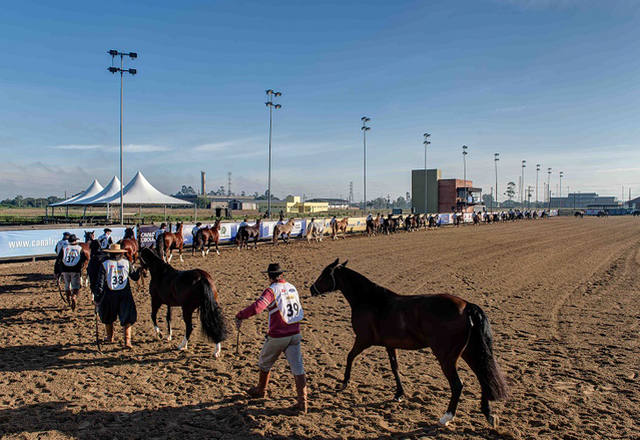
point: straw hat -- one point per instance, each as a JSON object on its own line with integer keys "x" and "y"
{"x": 115, "y": 249}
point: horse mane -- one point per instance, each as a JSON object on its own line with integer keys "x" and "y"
{"x": 151, "y": 259}
{"x": 366, "y": 289}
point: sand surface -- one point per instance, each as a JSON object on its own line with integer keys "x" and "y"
{"x": 563, "y": 297}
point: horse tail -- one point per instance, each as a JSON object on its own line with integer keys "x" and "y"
{"x": 213, "y": 323}
{"x": 479, "y": 355}
{"x": 160, "y": 245}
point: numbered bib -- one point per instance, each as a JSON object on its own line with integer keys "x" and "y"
{"x": 288, "y": 302}
{"x": 117, "y": 273}
{"x": 71, "y": 255}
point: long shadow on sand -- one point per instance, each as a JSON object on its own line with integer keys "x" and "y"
{"x": 21, "y": 358}
{"x": 231, "y": 418}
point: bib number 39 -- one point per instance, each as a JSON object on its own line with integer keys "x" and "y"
{"x": 292, "y": 309}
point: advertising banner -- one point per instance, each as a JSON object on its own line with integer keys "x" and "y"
{"x": 147, "y": 233}
{"x": 43, "y": 241}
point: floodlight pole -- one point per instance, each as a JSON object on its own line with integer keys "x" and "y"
{"x": 364, "y": 129}
{"x": 270, "y": 95}
{"x": 496, "y": 158}
{"x": 464, "y": 164}
{"x": 549, "y": 185}
{"x": 537, "y": 175}
{"x": 560, "y": 190}
{"x": 522, "y": 190}
{"x": 121, "y": 70}
{"x": 426, "y": 143}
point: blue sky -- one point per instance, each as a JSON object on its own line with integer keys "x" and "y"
{"x": 551, "y": 82}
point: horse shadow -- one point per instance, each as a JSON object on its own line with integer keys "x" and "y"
{"x": 23, "y": 281}
{"x": 20, "y": 358}
{"x": 231, "y": 418}
{"x": 12, "y": 316}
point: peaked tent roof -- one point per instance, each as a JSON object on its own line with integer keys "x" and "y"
{"x": 91, "y": 191}
{"x": 140, "y": 192}
{"x": 113, "y": 187}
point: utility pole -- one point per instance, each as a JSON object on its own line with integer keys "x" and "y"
{"x": 229, "y": 184}
{"x": 364, "y": 129}
{"x": 270, "y": 95}
{"x": 426, "y": 143}
{"x": 132, "y": 55}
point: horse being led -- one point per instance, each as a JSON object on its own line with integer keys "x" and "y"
{"x": 340, "y": 226}
{"x": 449, "y": 325}
{"x": 169, "y": 241}
{"x": 189, "y": 289}
{"x": 283, "y": 231}
{"x": 86, "y": 250}
{"x": 315, "y": 231}
{"x": 206, "y": 236}
{"x": 130, "y": 244}
{"x": 245, "y": 233}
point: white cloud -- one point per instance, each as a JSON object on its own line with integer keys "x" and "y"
{"x": 129, "y": 148}
{"x": 144, "y": 148}
{"x": 77, "y": 147}
{"x": 225, "y": 145}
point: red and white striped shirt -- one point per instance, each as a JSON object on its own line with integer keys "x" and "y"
{"x": 278, "y": 328}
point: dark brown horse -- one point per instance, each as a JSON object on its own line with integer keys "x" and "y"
{"x": 189, "y": 289}
{"x": 207, "y": 236}
{"x": 169, "y": 241}
{"x": 449, "y": 325}
{"x": 340, "y": 226}
{"x": 283, "y": 231}
{"x": 245, "y": 233}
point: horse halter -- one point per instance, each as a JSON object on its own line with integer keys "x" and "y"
{"x": 335, "y": 284}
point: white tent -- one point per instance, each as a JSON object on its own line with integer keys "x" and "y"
{"x": 91, "y": 191}
{"x": 113, "y": 187}
{"x": 140, "y": 192}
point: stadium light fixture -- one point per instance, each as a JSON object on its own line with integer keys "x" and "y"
{"x": 496, "y": 159}
{"x": 270, "y": 95}
{"x": 537, "y": 175}
{"x": 364, "y": 129}
{"x": 464, "y": 165}
{"x": 426, "y": 144}
{"x": 114, "y": 53}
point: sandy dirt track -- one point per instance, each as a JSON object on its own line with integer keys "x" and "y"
{"x": 563, "y": 297}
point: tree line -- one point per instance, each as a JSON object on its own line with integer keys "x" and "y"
{"x": 29, "y": 202}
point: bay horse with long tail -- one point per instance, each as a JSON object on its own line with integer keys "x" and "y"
{"x": 207, "y": 236}
{"x": 283, "y": 231}
{"x": 245, "y": 233}
{"x": 189, "y": 289}
{"x": 449, "y": 325}
{"x": 169, "y": 241}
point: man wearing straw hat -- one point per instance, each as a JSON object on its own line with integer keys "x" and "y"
{"x": 285, "y": 313}
{"x": 113, "y": 293}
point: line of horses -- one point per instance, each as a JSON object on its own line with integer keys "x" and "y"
{"x": 450, "y": 326}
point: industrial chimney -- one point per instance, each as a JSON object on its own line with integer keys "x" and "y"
{"x": 203, "y": 183}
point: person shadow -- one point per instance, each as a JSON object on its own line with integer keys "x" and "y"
{"x": 231, "y": 418}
